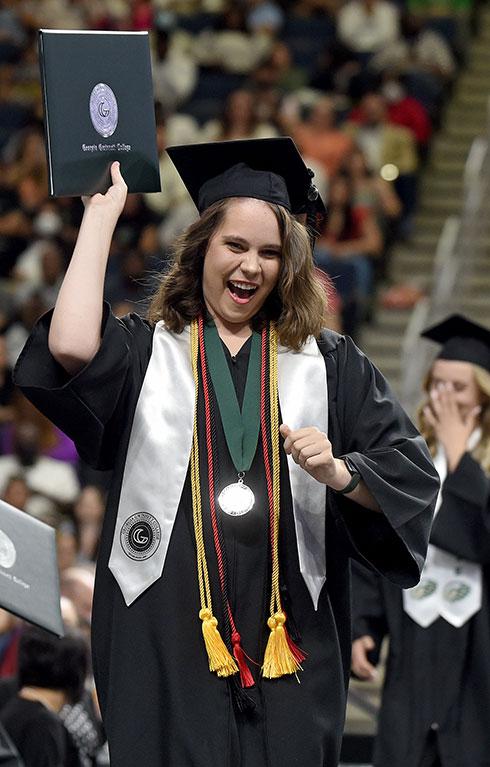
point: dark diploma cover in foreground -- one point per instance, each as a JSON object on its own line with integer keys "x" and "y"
{"x": 98, "y": 107}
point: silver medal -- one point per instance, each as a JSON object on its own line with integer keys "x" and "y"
{"x": 236, "y": 499}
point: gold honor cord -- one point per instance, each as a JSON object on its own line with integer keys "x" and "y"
{"x": 281, "y": 655}
{"x": 220, "y": 659}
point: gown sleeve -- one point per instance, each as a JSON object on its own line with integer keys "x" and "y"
{"x": 368, "y": 608}
{"x": 395, "y": 464}
{"x": 91, "y": 406}
{"x": 462, "y": 525}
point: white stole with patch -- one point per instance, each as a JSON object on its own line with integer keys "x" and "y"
{"x": 158, "y": 457}
{"x": 449, "y": 587}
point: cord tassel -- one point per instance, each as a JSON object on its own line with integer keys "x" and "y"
{"x": 242, "y": 700}
{"x": 279, "y": 659}
{"x": 297, "y": 652}
{"x": 220, "y": 659}
{"x": 246, "y": 677}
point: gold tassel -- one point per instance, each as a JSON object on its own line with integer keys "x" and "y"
{"x": 278, "y": 659}
{"x": 220, "y": 659}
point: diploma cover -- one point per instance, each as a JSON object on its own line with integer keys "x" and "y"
{"x": 98, "y": 107}
{"x": 29, "y": 583}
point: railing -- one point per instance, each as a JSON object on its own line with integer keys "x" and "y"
{"x": 460, "y": 243}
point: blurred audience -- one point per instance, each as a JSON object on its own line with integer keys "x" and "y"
{"x": 51, "y": 673}
{"x": 47, "y": 477}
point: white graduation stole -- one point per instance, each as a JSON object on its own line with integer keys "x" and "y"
{"x": 449, "y": 587}
{"x": 158, "y": 457}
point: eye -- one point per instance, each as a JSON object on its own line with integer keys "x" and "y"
{"x": 271, "y": 253}
{"x": 235, "y": 246}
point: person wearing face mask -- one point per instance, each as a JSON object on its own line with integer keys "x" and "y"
{"x": 253, "y": 454}
{"x": 437, "y": 682}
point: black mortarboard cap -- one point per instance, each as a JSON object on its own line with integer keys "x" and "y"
{"x": 461, "y": 340}
{"x": 268, "y": 169}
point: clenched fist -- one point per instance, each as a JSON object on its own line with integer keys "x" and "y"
{"x": 312, "y": 450}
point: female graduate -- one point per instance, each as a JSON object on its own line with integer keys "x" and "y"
{"x": 253, "y": 455}
{"x": 437, "y": 685}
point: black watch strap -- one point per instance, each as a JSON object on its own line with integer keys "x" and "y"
{"x": 355, "y": 477}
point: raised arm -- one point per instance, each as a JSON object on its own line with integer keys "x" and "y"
{"x": 74, "y": 335}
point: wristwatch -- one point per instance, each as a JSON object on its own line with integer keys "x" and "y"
{"x": 355, "y": 477}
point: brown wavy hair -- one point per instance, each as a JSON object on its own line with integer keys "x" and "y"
{"x": 481, "y": 452}
{"x": 298, "y": 303}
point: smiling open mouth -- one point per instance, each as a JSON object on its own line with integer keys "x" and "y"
{"x": 241, "y": 290}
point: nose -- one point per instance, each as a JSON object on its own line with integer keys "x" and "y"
{"x": 250, "y": 263}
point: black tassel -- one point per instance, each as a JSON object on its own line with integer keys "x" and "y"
{"x": 241, "y": 699}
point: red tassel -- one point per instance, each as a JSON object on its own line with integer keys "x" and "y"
{"x": 298, "y": 654}
{"x": 246, "y": 677}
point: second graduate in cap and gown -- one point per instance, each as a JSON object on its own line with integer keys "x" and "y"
{"x": 221, "y": 623}
{"x": 437, "y": 685}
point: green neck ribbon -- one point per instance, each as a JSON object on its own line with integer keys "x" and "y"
{"x": 241, "y": 428}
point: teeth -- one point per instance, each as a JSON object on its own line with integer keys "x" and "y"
{"x": 242, "y": 285}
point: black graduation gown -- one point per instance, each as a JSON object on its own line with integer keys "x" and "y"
{"x": 160, "y": 703}
{"x": 437, "y": 684}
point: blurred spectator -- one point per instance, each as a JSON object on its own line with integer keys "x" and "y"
{"x": 28, "y": 313}
{"x": 421, "y": 49}
{"x": 335, "y": 68}
{"x": 174, "y": 71}
{"x": 12, "y": 33}
{"x": 24, "y": 153}
{"x": 14, "y": 114}
{"x": 318, "y": 137}
{"x": 389, "y": 150}
{"x": 371, "y": 191}
{"x": 367, "y": 26}
{"x": 66, "y": 544}
{"x": 173, "y": 205}
{"x": 77, "y": 583}
{"x": 6, "y": 389}
{"x": 47, "y": 477}
{"x": 277, "y": 74}
{"x": 16, "y": 492}
{"x": 88, "y": 513}
{"x": 141, "y": 15}
{"x": 51, "y": 673}
{"x": 240, "y": 120}
{"x": 407, "y": 111}
{"x": 15, "y": 229}
{"x": 403, "y": 110}
{"x": 348, "y": 242}
{"x": 10, "y": 631}
{"x": 264, "y": 16}
{"x": 229, "y": 46}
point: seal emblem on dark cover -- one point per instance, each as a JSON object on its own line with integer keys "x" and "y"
{"x": 103, "y": 110}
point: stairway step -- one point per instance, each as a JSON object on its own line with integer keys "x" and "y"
{"x": 440, "y": 185}
{"x": 433, "y": 205}
{"x": 457, "y": 115}
{"x": 477, "y": 305}
{"x": 473, "y": 99}
{"x": 449, "y": 166}
{"x": 461, "y": 132}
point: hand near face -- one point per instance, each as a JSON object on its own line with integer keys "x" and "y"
{"x": 452, "y": 426}
{"x": 311, "y": 449}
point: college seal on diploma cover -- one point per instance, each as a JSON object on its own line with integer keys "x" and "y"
{"x": 8, "y": 554}
{"x": 103, "y": 110}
